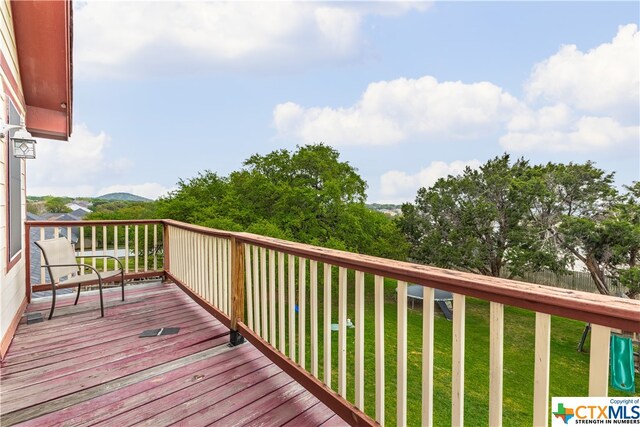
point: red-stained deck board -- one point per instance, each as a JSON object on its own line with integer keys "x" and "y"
{"x": 315, "y": 415}
{"x": 119, "y": 346}
{"x": 79, "y": 369}
{"x": 287, "y": 412}
{"x": 168, "y": 408}
{"x": 155, "y": 348}
{"x": 95, "y": 336}
{"x": 218, "y": 410}
{"x": 133, "y": 396}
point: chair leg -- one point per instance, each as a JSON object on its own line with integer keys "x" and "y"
{"x": 122, "y": 283}
{"x": 53, "y": 299}
{"x": 101, "y": 302}
{"x": 77, "y": 296}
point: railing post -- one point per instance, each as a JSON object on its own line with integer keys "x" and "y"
{"x": 165, "y": 250}
{"x": 237, "y": 290}
{"x": 27, "y": 256}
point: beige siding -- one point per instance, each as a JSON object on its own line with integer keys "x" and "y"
{"x": 7, "y": 39}
{"x": 12, "y": 289}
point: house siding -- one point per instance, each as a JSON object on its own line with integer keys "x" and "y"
{"x": 12, "y": 281}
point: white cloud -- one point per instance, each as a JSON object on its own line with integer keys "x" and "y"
{"x": 584, "y": 134}
{"x": 604, "y": 80}
{"x": 137, "y": 38}
{"x": 83, "y": 158}
{"x": 79, "y": 166}
{"x": 397, "y": 186}
{"x": 574, "y": 102}
{"x": 390, "y": 112}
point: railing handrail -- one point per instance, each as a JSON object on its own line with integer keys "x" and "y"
{"x": 80, "y": 223}
{"x": 604, "y": 310}
{"x": 615, "y": 312}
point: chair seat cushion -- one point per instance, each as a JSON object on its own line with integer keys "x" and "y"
{"x": 107, "y": 276}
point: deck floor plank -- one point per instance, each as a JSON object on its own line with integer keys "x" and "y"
{"x": 80, "y": 369}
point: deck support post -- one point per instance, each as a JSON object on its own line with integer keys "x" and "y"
{"x": 166, "y": 266}
{"x": 237, "y": 291}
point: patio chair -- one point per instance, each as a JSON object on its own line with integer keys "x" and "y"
{"x": 60, "y": 261}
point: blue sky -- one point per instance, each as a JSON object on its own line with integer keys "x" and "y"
{"x": 407, "y": 92}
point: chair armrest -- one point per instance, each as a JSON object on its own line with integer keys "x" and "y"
{"x": 103, "y": 256}
{"x": 73, "y": 265}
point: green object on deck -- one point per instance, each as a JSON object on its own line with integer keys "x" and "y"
{"x": 621, "y": 363}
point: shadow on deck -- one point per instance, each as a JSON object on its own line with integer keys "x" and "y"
{"x": 80, "y": 369}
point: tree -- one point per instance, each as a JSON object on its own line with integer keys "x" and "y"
{"x": 57, "y": 205}
{"x": 596, "y": 225}
{"x": 527, "y": 218}
{"x": 307, "y": 195}
{"x": 570, "y": 201}
{"x": 473, "y": 221}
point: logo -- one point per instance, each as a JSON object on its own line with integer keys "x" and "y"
{"x": 565, "y": 414}
{"x": 595, "y": 410}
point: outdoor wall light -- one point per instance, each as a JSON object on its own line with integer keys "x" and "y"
{"x": 24, "y": 145}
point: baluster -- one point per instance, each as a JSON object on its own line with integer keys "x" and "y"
{"x": 496, "y": 333}
{"x": 43, "y": 271}
{"x": 249, "y": 284}
{"x": 292, "y": 303}
{"x": 146, "y": 247}
{"x": 401, "y": 382}
{"x": 342, "y": 332}
{"x": 126, "y": 248}
{"x": 272, "y": 297}
{"x": 155, "y": 247}
{"x": 379, "y": 351}
{"x": 263, "y": 293}
{"x": 256, "y": 291}
{"x": 135, "y": 246}
{"x": 427, "y": 355}
{"x": 93, "y": 246}
{"x": 115, "y": 243}
{"x": 327, "y": 324}
{"x": 104, "y": 248}
{"x": 541, "y": 370}
{"x": 457, "y": 389}
{"x": 313, "y": 291}
{"x": 281, "y": 304}
{"x": 302, "y": 302}
{"x": 359, "y": 341}
{"x": 599, "y": 358}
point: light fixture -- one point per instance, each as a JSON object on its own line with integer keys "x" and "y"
{"x": 24, "y": 145}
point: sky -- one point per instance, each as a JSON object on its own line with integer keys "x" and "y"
{"x": 406, "y": 92}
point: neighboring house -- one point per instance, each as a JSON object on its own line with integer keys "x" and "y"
{"x": 79, "y": 213}
{"x": 79, "y": 206}
{"x": 36, "y": 71}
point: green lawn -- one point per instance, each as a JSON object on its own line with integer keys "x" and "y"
{"x": 569, "y": 369}
{"x": 111, "y": 264}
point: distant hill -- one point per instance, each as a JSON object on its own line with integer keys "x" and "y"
{"x": 127, "y": 197}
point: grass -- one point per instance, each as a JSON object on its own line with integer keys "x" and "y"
{"x": 569, "y": 369}
{"x": 111, "y": 264}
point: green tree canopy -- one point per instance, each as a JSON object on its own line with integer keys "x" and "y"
{"x": 307, "y": 195}
{"x": 526, "y": 218}
{"x": 473, "y": 221}
{"x": 57, "y": 204}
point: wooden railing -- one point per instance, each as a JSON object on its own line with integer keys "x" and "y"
{"x": 279, "y": 295}
{"x": 138, "y": 243}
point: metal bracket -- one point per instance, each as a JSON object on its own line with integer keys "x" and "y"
{"x": 235, "y": 338}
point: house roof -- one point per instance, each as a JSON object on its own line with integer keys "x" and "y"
{"x": 44, "y": 36}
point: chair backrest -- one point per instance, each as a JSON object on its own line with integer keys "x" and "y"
{"x": 58, "y": 251}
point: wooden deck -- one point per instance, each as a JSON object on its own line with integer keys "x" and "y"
{"x": 79, "y": 369}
